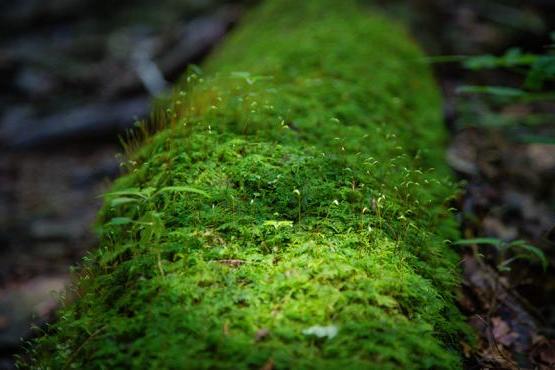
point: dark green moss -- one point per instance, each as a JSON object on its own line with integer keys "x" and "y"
{"x": 292, "y": 188}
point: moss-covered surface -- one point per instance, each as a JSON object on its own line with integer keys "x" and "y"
{"x": 292, "y": 189}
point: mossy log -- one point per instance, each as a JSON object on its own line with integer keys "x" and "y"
{"x": 292, "y": 214}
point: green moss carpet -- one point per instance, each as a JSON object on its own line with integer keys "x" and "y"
{"x": 291, "y": 215}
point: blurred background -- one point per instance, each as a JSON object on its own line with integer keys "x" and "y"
{"x": 76, "y": 74}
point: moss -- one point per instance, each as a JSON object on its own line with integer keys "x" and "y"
{"x": 292, "y": 189}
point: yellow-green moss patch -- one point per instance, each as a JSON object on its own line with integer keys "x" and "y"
{"x": 288, "y": 215}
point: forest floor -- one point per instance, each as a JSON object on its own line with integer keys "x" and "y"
{"x": 104, "y": 73}
{"x": 509, "y": 192}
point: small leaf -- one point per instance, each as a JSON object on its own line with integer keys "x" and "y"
{"x": 195, "y": 69}
{"x": 541, "y": 72}
{"x": 132, "y": 192}
{"x": 322, "y": 331}
{"x": 507, "y": 93}
{"x": 488, "y": 241}
{"x": 184, "y": 189}
{"x": 120, "y": 221}
{"x": 536, "y": 139}
{"x": 500, "y": 91}
{"x": 122, "y": 200}
{"x": 533, "y": 252}
{"x": 512, "y": 58}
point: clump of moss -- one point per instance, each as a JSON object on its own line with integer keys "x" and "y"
{"x": 287, "y": 217}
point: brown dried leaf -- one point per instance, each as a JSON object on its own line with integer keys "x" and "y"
{"x": 232, "y": 263}
{"x": 544, "y": 353}
{"x": 4, "y": 322}
{"x": 261, "y": 334}
{"x": 502, "y": 332}
{"x": 269, "y": 365}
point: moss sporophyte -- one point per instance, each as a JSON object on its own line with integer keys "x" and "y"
{"x": 289, "y": 192}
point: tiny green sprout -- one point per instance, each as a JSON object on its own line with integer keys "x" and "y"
{"x": 278, "y": 224}
{"x": 182, "y": 189}
{"x": 298, "y": 193}
{"x": 519, "y": 249}
{"x": 120, "y": 221}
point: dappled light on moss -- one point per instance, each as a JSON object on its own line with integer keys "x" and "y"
{"x": 291, "y": 191}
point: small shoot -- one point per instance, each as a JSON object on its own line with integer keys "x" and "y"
{"x": 298, "y": 193}
{"x": 520, "y": 249}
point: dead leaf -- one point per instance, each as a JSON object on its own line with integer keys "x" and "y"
{"x": 3, "y": 322}
{"x": 462, "y": 159}
{"x": 262, "y": 334}
{"x": 544, "y": 353}
{"x": 502, "y": 332}
{"x": 541, "y": 156}
{"x": 269, "y": 365}
{"x": 494, "y": 226}
{"x": 232, "y": 263}
{"x": 467, "y": 349}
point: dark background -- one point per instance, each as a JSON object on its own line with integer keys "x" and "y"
{"x": 76, "y": 74}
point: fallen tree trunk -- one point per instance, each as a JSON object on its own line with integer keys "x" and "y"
{"x": 286, "y": 217}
